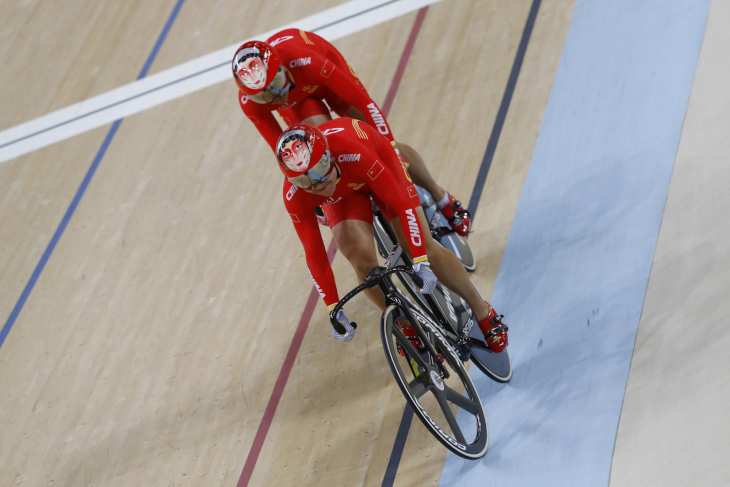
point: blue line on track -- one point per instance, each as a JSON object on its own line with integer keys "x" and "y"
{"x": 161, "y": 39}
{"x": 82, "y": 188}
{"x": 400, "y": 439}
{"x": 476, "y": 193}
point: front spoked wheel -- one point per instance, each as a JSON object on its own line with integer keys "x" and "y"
{"x": 437, "y": 400}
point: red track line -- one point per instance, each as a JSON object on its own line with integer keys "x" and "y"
{"x": 291, "y": 355}
{"x": 404, "y": 61}
{"x": 286, "y": 368}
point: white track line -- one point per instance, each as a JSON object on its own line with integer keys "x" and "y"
{"x": 185, "y": 78}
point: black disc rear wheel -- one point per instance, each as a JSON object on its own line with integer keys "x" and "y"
{"x": 496, "y": 366}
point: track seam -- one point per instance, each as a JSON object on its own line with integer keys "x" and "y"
{"x": 82, "y": 188}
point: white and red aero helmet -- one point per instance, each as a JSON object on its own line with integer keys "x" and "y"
{"x": 259, "y": 73}
{"x": 304, "y": 155}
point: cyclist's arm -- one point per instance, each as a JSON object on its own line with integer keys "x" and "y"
{"x": 305, "y": 223}
{"x": 387, "y": 188}
{"x": 262, "y": 118}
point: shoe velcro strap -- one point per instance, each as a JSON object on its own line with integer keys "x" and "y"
{"x": 441, "y": 232}
{"x": 496, "y": 331}
{"x": 496, "y": 320}
{"x": 459, "y": 216}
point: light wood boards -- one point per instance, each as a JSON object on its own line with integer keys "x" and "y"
{"x": 58, "y": 53}
{"x": 150, "y": 345}
{"x": 80, "y": 379}
{"x": 53, "y": 55}
{"x": 674, "y": 422}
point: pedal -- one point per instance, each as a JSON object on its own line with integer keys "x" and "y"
{"x": 439, "y": 232}
{"x": 464, "y": 355}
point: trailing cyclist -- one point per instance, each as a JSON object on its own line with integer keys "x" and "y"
{"x": 298, "y": 77}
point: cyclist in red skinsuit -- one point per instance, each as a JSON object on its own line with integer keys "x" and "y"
{"x": 366, "y": 165}
{"x": 318, "y": 73}
{"x": 368, "y": 168}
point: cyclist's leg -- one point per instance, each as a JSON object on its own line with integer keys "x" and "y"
{"x": 419, "y": 172}
{"x": 351, "y": 221}
{"x": 446, "y": 266}
{"x": 451, "y": 273}
{"x": 449, "y": 206}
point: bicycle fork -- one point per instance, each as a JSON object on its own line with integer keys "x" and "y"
{"x": 405, "y": 309}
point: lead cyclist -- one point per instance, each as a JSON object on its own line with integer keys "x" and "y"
{"x": 371, "y": 168}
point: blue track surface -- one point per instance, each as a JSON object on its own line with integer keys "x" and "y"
{"x": 577, "y": 262}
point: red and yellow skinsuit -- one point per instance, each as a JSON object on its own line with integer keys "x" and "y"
{"x": 319, "y": 72}
{"x": 368, "y": 166}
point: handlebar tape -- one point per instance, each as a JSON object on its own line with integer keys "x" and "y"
{"x": 333, "y": 314}
{"x": 339, "y": 328}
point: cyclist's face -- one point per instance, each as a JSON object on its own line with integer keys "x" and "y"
{"x": 252, "y": 73}
{"x": 295, "y": 156}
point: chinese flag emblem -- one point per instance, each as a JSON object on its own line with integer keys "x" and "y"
{"x": 412, "y": 192}
{"x": 327, "y": 69}
{"x": 375, "y": 171}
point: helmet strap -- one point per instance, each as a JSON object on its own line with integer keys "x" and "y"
{"x": 291, "y": 79}
{"x": 337, "y": 168}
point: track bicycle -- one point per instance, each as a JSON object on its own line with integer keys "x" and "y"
{"x": 447, "y": 309}
{"x": 427, "y": 366}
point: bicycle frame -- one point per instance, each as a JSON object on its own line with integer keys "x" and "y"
{"x": 432, "y": 309}
{"x": 380, "y": 276}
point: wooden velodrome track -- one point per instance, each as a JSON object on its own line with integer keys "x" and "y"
{"x": 150, "y": 345}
